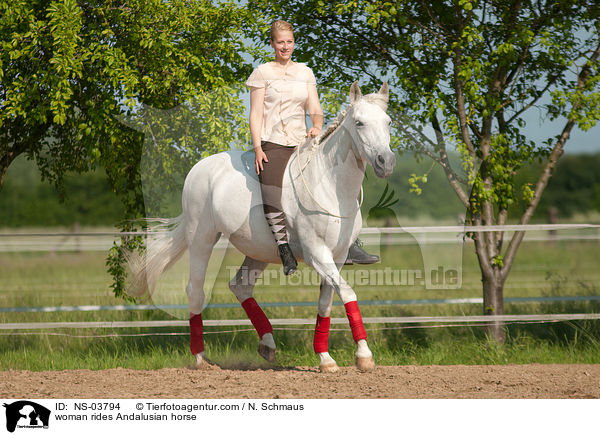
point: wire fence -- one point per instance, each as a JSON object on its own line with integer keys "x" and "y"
{"x": 407, "y": 323}
{"x": 389, "y": 302}
{"x": 100, "y": 241}
{"x": 103, "y": 240}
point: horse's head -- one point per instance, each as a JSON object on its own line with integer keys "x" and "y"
{"x": 369, "y": 126}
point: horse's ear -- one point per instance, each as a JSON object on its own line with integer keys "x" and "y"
{"x": 355, "y": 93}
{"x": 385, "y": 91}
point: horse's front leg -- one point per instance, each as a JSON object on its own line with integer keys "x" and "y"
{"x": 321, "y": 339}
{"x": 330, "y": 274}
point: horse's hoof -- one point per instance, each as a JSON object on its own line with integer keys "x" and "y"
{"x": 266, "y": 352}
{"x": 329, "y": 368}
{"x": 203, "y": 363}
{"x": 365, "y": 364}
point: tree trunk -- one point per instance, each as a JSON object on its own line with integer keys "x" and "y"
{"x": 493, "y": 305}
{"x": 6, "y": 158}
{"x": 3, "y": 168}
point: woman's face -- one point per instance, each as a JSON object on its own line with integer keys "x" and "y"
{"x": 283, "y": 44}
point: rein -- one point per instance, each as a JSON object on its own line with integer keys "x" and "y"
{"x": 315, "y": 145}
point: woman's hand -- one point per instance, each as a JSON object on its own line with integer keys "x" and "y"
{"x": 314, "y": 132}
{"x": 315, "y": 111}
{"x": 258, "y": 159}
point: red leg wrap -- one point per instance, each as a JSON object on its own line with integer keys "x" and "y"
{"x": 196, "y": 334}
{"x": 321, "y": 341}
{"x": 356, "y": 323}
{"x": 257, "y": 317}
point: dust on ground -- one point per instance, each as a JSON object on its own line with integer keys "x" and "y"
{"x": 423, "y": 382}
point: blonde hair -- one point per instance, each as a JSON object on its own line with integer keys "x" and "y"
{"x": 281, "y": 26}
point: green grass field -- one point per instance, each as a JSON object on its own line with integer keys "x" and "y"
{"x": 542, "y": 268}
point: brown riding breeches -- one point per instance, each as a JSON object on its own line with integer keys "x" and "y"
{"x": 271, "y": 178}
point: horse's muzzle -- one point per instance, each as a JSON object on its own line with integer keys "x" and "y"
{"x": 384, "y": 164}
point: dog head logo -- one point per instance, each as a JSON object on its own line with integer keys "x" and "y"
{"x": 26, "y": 414}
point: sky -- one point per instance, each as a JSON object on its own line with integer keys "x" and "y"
{"x": 580, "y": 142}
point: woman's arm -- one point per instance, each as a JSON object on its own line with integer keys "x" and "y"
{"x": 314, "y": 111}
{"x": 257, "y": 101}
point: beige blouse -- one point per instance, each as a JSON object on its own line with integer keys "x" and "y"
{"x": 286, "y": 96}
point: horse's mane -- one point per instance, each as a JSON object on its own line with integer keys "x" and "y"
{"x": 333, "y": 126}
{"x": 375, "y": 98}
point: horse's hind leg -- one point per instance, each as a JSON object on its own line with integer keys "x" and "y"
{"x": 242, "y": 285}
{"x": 200, "y": 251}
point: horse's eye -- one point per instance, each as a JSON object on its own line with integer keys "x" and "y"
{"x": 359, "y": 123}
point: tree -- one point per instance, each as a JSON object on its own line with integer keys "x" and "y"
{"x": 470, "y": 70}
{"x": 76, "y": 76}
{"x": 70, "y": 70}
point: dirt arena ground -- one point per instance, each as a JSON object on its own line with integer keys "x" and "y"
{"x": 512, "y": 381}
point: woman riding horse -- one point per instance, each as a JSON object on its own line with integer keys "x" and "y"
{"x": 222, "y": 197}
{"x": 281, "y": 92}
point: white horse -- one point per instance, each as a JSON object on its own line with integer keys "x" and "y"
{"x": 321, "y": 185}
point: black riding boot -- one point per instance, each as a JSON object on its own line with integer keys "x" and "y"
{"x": 287, "y": 258}
{"x": 356, "y": 255}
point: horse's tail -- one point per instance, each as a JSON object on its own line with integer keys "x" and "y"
{"x": 165, "y": 244}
